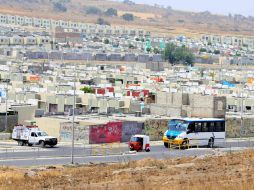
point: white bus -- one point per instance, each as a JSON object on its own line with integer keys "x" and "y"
{"x": 195, "y": 131}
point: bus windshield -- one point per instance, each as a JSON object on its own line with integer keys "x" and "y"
{"x": 178, "y": 125}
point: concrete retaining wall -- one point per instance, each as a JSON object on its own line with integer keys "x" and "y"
{"x": 81, "y": 133}
{"x": 234, "y": 130}
{"x": 12, "y": 120}
{"x": 5, "y": 136}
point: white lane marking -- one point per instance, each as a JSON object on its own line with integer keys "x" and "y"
{"x": 64, "y": 157}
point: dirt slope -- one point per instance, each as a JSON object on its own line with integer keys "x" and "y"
{"x": 231, "y": 171}
{"x": 158, "y": 20}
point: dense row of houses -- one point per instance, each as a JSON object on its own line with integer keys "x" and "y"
{"x": 78, "y": 26}
{"x": 229, "y": 40}
{"x": 176, "y": 92}
{"x": 25, "y": 40}
{"x": 128, "y": 57}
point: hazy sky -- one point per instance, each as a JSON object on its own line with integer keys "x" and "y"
{"x": 244, "y": 7}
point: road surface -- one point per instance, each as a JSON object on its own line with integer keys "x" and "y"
{"x": 13, "y": 155}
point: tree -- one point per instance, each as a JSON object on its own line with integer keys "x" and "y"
{"x": 101, "y": 21}
{"x": 128, "y": 2}
{"x": 106, "y": 41}
{"x": 111, "y": 12}
{"x": 59, "y": 7}
{"x": 156, "y": 51}
{"x": 169, "y": 53}
{"x": 93, "y": 11}
{"x": 202, "y": 50}
{"x": 148, "y": 50}
{"x": 189, "y": 58}
{"x": 87, "y": 90}
{"x": 128, "y": 17}
{"x": 179, "y": 55}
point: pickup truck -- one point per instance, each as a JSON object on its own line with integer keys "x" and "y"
{"x": 32, "y": 135}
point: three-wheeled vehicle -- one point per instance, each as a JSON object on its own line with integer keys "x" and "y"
{"x": 139, "y": 143}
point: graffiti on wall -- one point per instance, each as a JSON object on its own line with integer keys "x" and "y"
{"x": 131, "y": 128}
{"x": 81, "y": 133}
{"x": 113, "y": 131}
{"x": 155, "y": 128}
{"x": 234, "y": 129}
{"x": 107, "y": 133}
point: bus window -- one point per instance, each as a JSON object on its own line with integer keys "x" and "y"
{"x": 204, "y": 127}
{"x": 223, "y": 127}
{"x": 219, "y": 127}
{"x": 211, "y": 127}
{"x": 191, "y": 128}
{"x": 198, "y": 127}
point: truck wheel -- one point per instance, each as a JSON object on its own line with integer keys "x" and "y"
{"x": 166, "y": 145}
{"x": 21, "y": 143}
{"x": 42, "y": 144}
{"x": 29, "y": 144}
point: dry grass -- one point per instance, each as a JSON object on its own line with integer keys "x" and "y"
{"x": 231, "y": 171}
{"x": 144, "y": 16}
{"x": 156, "y": 20}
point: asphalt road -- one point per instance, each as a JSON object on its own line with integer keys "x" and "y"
{"x": 13, "y": 155}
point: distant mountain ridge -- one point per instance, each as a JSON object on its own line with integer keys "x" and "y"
{"x": 164, "y": 21}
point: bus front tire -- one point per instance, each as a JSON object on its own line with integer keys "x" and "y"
{"x": 211, "y": 143}
{"x": 185, "y": 144}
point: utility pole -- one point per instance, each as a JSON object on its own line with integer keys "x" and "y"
{"x": 73, "y": 117}
{"x": 6, "y": 100}
{"x": 242, "y": 90}
{"x": 221, "y": 61}
{"x": 6, "y": 108}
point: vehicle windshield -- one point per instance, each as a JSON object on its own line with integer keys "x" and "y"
{"x": 41, "y": 134}
{"x": 178, "y": 125}
{"x": 136, "y": 139}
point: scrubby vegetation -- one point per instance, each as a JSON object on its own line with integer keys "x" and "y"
{"x": 232, "y": 171}
{"x": 128, "y": 17}
{"x": 178, "y": 55}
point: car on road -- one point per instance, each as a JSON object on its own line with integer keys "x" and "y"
{"x": 32, "y": 135}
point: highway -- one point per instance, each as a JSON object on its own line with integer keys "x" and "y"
{"x": 13, "y": 155}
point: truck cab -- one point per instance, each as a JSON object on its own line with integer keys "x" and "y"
{"x": 41, "y": 138}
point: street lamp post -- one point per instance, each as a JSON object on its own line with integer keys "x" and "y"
{"x": 6, "y": 108}
{"x": 242, "y": 90}
{"x": 73, "y": 118}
